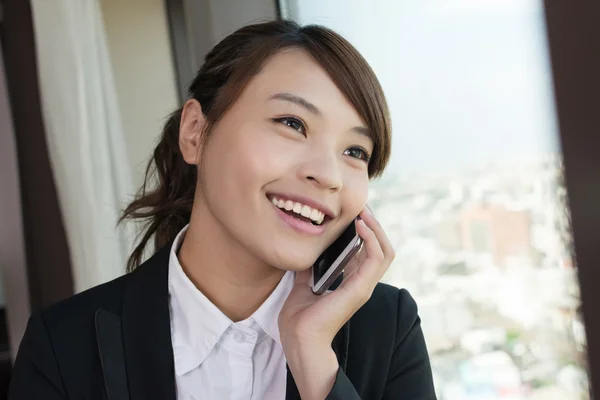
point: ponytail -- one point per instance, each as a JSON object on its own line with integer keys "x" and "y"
{"x": 164, "y": 202}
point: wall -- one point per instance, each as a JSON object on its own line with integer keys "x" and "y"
{"x": 229, "y": 15}
{"x": 140, "y": 50}
{"x": 209, "y": 21}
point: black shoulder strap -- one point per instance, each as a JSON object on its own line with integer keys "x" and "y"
{"x": 112, "y": 355}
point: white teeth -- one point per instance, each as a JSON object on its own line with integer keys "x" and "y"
{"x": 299, "y": 208}
{"x": 306, "y": 211}
{"x": 314, "y": 215}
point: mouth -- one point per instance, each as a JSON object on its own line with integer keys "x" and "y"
{"x": 300, "y": 211}
{"x": 300, "y": 216}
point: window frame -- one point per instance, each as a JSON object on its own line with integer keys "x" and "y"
{"x": 574, "y": 42}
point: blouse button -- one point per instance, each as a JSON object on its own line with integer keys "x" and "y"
{"x": 239, "y": 337}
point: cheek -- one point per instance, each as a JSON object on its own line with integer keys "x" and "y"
{"x": 355, "y": 194}
{"x": 257, "y": 161}
{"x": 240, "y": 160}
{"x": 262, "y": 155}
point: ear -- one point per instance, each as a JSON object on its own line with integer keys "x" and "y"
{"x": 191, "y": 129}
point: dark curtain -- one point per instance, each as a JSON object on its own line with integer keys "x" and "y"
{"x": 48, "y": 262}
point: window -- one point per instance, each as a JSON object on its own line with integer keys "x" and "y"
{"x": 474, "y": 198}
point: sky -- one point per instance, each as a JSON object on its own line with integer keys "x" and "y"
{"x": 467, "y": 81}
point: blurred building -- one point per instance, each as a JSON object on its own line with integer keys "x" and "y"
{"x": 494, "y": 229}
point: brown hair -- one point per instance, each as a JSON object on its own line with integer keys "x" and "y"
{"x": 166, "y": 208}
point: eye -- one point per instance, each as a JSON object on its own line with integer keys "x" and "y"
{"x": 358, "y": 152}
{"x": 293, "y": 123}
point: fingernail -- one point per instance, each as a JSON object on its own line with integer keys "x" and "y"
{"x": 369, "y": 209}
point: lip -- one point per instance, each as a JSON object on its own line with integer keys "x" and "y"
{"x": 329, "y": 214}
{"x": 299, "y": 226}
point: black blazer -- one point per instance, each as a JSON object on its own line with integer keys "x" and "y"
{"x": 114, "y": 342}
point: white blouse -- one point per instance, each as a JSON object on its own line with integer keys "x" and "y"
{"x": 217, "y": 359}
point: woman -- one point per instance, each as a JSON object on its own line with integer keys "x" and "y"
{"x": 262, "y": 168}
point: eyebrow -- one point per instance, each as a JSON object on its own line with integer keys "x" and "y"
{"x": 361, "y": 130}
{"x": 292, "y": 98}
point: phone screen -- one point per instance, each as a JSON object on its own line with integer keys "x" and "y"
{"x": 330, "y": 254}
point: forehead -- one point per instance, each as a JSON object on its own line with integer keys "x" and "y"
{"x": 295, "y": 71}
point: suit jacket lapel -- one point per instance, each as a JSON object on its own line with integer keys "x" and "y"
{"x": 147, "y": 331}
{"x": 112, "y": 358}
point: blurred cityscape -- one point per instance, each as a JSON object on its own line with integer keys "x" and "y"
{"x": 487, "y": 255}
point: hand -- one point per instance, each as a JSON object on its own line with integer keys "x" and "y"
{"x": 308, "y": 323}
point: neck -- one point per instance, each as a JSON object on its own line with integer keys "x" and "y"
{"x": 230, "y": 276}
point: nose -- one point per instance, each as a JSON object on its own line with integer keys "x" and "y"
{"x": 323, "y": 170}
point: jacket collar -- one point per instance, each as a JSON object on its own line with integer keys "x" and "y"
{"x": 146, "y": 334}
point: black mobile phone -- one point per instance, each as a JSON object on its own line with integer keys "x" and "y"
{"x": 330, "y": 265}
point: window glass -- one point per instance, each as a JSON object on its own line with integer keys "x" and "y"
{"x": 474, "y": 199}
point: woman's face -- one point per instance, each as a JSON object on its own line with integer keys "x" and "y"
{"x": 291, "y": 139}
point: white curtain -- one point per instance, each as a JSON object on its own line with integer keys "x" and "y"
{"x": 85, "y": 136}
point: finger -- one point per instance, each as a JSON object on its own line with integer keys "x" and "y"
{"x": 356, "y": 290}
{"x": 384, "y": 242}
{"x": 374, "y": 255}
{"x": 355, "y": 263}
{"x": 356, "y": 260}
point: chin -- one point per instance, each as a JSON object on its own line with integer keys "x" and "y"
{"x": 293, "y": 260}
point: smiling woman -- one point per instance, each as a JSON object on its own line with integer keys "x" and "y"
{"x": 262, "y": 169}
{"x": 227, "y": 76}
